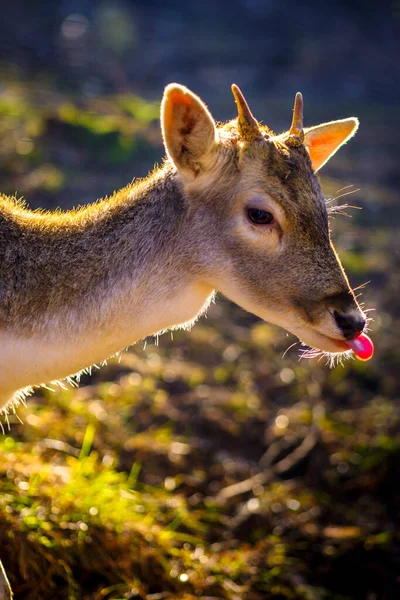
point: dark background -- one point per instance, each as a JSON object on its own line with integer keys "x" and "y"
{"x": 151, "y": 440}
{"x": 343, "y": 56}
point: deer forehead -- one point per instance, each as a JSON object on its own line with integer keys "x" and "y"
{"x": 283, "y": 174}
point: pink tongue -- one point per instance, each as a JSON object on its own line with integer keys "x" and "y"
{"x": 362, "y": 347}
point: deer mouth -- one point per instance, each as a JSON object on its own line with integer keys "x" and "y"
{"x": 320, "y": 341}
{"x": 361, "y": 345}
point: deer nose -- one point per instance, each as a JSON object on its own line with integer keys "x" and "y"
{"x": 350, "y": 324}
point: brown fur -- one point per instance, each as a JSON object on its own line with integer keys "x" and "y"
{"x": 51, "y": 262}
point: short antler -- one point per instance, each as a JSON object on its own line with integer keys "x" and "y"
{"x": 296, "y": 133}
{"x": 248, "y": 126}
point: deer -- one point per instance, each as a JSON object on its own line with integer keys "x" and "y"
{"x": 233, "y": 209}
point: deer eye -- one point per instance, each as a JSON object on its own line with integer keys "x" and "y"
{"x": 259, "y": 216}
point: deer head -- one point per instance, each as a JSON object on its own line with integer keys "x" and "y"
{"x": 257, "y": 217}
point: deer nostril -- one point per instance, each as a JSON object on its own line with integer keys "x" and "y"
{"x": 350, "y": 324}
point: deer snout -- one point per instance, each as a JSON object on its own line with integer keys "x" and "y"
{"x": 348, "y": 316}
{"x": 351, "y": 323}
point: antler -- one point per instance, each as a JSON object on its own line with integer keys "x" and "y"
{"x": 296, "y": 133}
{"x": 248, "y": 126}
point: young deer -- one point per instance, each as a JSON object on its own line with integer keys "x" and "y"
{"x": 234, "y": 208}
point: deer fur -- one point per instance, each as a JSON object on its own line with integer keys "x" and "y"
{"x": 77, "y": 287}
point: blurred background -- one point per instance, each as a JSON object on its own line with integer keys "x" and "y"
{"x": 208, "y": 465}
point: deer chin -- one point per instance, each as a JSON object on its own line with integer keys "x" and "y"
{"x": 314, "y": 338}
{"x": 323, "y": 337}
{"x": 320, "y": 341}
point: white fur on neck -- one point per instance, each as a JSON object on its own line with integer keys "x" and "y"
{"x": 57, "y": 353}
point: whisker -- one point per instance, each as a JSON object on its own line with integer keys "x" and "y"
{"x": 347, "y": 193}
{"x": 302, "y": 354}
{"x": 341, "y": 210}
{"x": 361, "y": 286}
{"x": 19, "y": 418}
{"x": 287, "y": 349}
{"x": 333, "y": 359}
{"x": 346, "y": 187}
{"x": 309, "y": 353}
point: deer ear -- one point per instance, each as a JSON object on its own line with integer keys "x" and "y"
{"x": 324, "y": 140}
{"x": 188, "y": 129}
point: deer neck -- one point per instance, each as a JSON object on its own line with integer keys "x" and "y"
{"x": 83, "y": 285}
